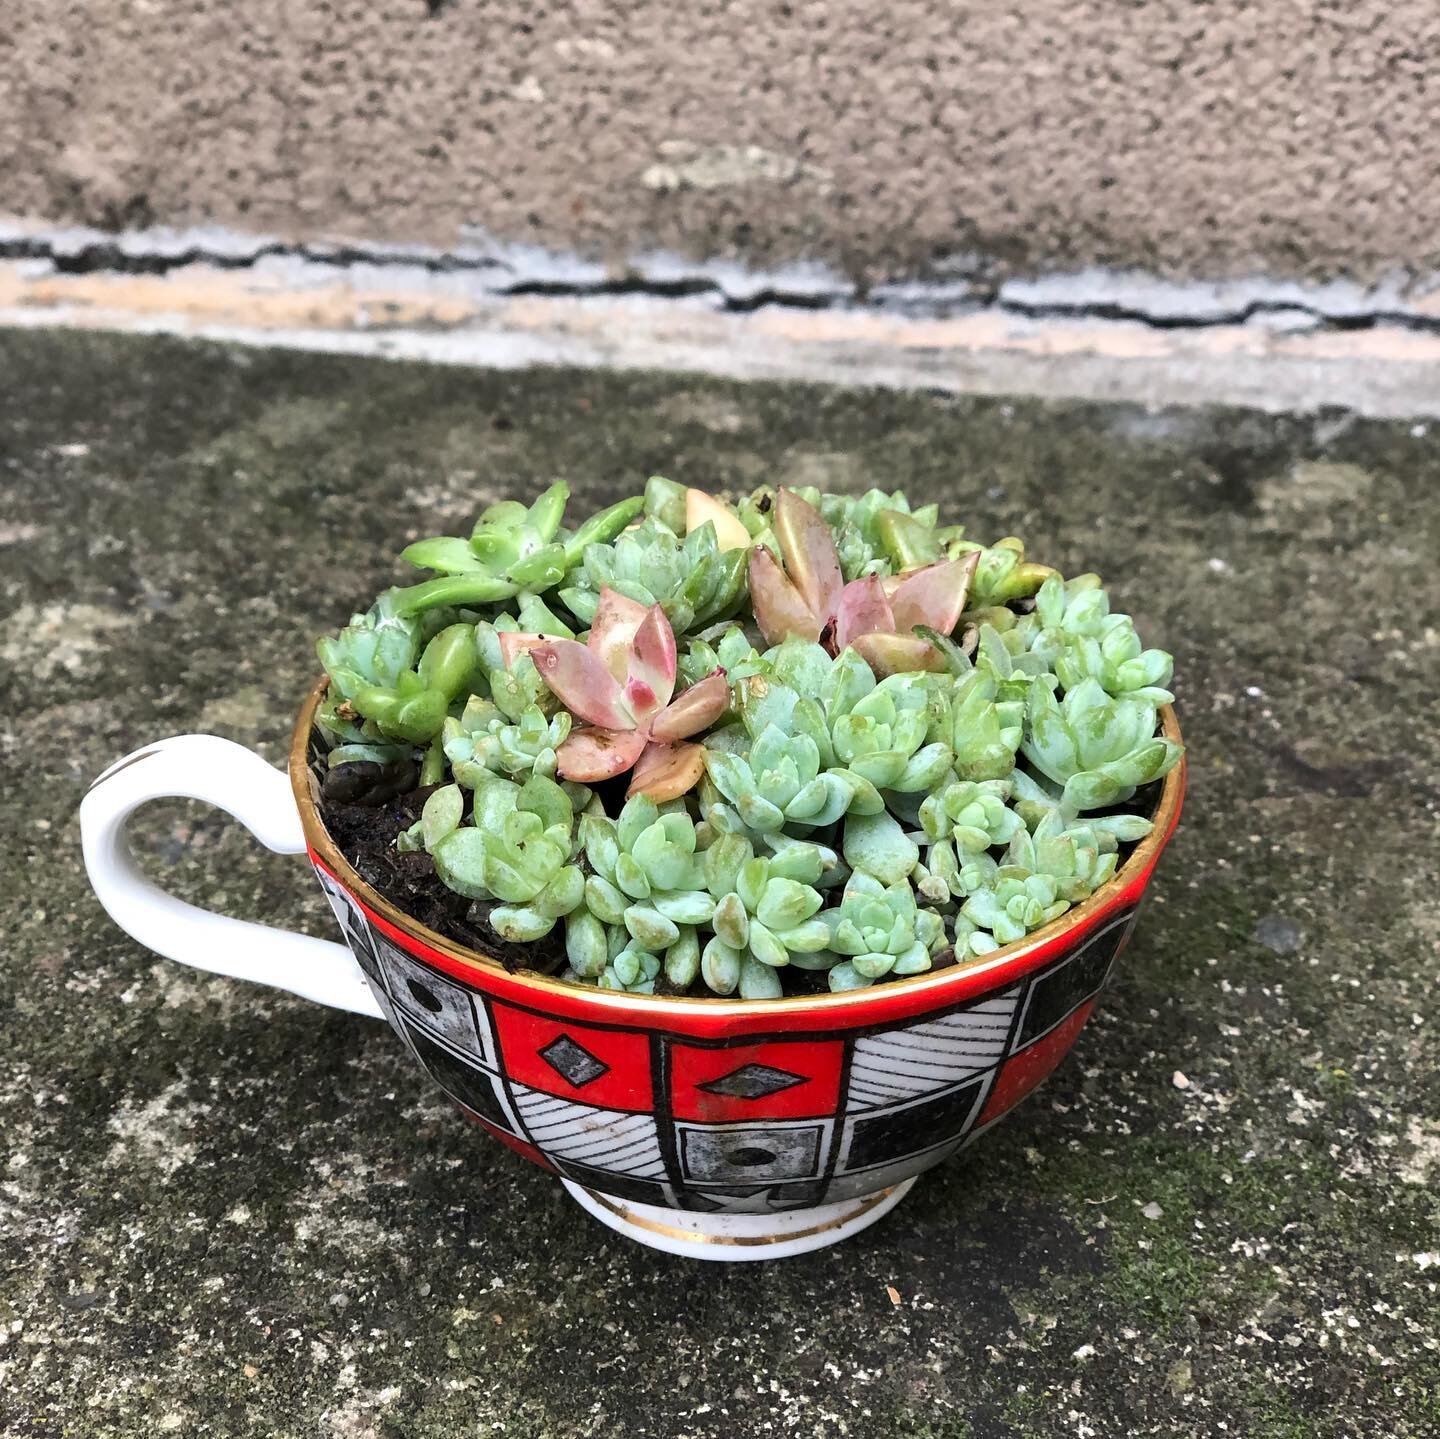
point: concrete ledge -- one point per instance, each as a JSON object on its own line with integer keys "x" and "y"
{"x": 406, "y": 311}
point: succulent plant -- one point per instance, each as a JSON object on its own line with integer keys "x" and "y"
{"x": 483, "y": 741}
{"x": 880, "y": 930}
{"x": 726, "y": 647}
{"x": 1012, "y": 903}
{"x": 982, "y": 730}
{"x": 962, "y": 822}
{"x": 777, "y": 782}
{"x": 413, "y": 704}
{"x": 1099, "y": 748}
{"x": 646, "y": 874}
{"x": 1077, "y": 857}
{"x": 512, "y": 548}
{"x": 886, "y": 737}
{"x": 620, "y": 682}
{"x": 875, "y": 532}
{"x": 517, "y": 850}
{"x": 695, "y": 580}
{"x": 1033, "y": 799}
{"x": 684, "y": 511}
{"x": 764, "y": 915}
{"x": 802, "y": 593}
{"x": 1075, "y": 632}
{"x": 1002, "y": 573}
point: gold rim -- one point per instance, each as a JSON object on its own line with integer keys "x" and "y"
{"x": 318, "y": 838}
{"x": 694, "y": 1236}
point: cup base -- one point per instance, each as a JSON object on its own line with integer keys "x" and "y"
{"x": 733, "y": 1238}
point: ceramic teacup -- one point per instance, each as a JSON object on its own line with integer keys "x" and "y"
{"x": 722, "y": 1129}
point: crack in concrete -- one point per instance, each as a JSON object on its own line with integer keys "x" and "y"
{"x": 515, "y": 271}
{"x": 1249, "y": 313}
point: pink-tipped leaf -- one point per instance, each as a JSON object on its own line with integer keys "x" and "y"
{"x": 693, "y": 710}
{"x": 612, "y": 631}
{"x": 582, "y": 684}
{"x": 666, "y": 771}
{"x": 934, "y": 595}
{"x": 590, "y": 755}
{"x": 779, "y": 608}
{"x": 863, "y": 610}
{"x": 651, "y": 677}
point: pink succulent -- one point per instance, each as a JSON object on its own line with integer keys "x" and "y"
{"x": 620, "y": 683}
{"x": 877, "y": 617}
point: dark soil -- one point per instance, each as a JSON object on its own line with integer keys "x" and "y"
{"x": 365, "y": 830}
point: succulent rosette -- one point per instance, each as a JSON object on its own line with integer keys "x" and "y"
{"x": 801, "y": 741}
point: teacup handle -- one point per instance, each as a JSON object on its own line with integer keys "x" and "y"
{"x": 222, "y": 773}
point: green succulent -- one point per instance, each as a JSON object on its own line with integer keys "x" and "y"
{"x": 982, "y": 727}
{"x": 962, "y": 822}
{"x": 778, "y": 782}
{"x": 790, "y": 771}
{"x": 1076, "y": 634}
{"x": 1034, "y": 799}
{"x": 375, "y": 648}
{"x": 483, "y": 741}
{"x": 877, "y": 845}
{"x": 665, "y": 502}
{"x": 607, "y": 955}
{"x": 724, "y": 646}
{"x": 693, "y": 580}
{"x": 764, "y": 915}
{"x": 873, "y": 733}
{"x": 516, "y": 728}
{"x": 1002, "y": 573}
{"x": 880, "y": 930}
{"x": 1077, "y": 857}
{"x": 647, "y": 874}
{"x": 518, "y": 849}
{"x": 410, "y": 705}
{"x": 512, "y": 548}
{"x": 1008, "y": 906}
{"x": 1099, "y": 748}
{"x": 1041, "y": 876}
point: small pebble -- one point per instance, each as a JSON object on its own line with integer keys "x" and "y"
{"x": 1179, "y": 1080}
{"x": 1278, "y": 934}
{"x": 1152, "y": 1211}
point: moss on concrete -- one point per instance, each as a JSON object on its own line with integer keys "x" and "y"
{"x": 227, "y": 1211}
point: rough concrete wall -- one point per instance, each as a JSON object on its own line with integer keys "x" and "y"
{"x": 1291, "y": 136}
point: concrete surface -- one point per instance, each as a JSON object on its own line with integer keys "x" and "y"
{"x": 227, "y": 1212}
{"x": 1200, "y": 140}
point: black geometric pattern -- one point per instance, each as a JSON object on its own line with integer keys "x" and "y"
{"x": 753, "y": 1081}
{"x": 573, "y": 1062}
{"x": 436, "y": 1004}
{"x": 1058, "y": 991}
{"x": 896, "y": 1133}
{"x": 475, "y": 1088}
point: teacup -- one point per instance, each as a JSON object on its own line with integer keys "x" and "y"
{"x": 721, "y": 1129}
